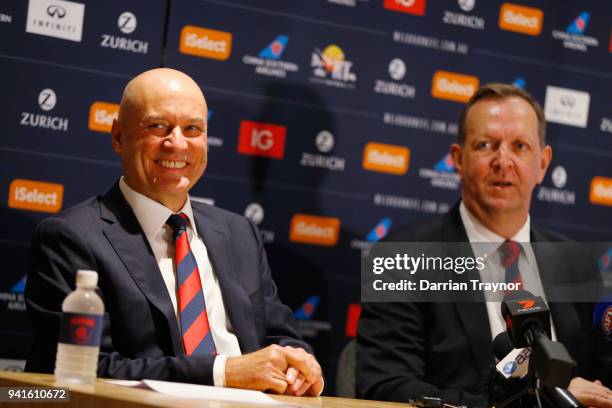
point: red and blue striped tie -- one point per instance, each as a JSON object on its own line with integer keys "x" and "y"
{"x": 197, "y": 337}
{"x": 510, "y": 252}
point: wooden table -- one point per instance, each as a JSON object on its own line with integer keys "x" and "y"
{"x": 104, "y": 395}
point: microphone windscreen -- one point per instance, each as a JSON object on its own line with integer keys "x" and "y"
{"x": 502, "y": 345}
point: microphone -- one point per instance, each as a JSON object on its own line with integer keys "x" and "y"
{"x": 526, "y": 317}
{"x": 528, "y": 323}
{"x": 560, "y": 397}
{"x": 515, "y": 365}
{"x": 513, "y": 362}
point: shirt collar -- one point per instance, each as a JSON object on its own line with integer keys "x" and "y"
{"x": 151, "y": 215}
{"x": 477, "y": 232}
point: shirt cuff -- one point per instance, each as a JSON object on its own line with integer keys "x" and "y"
{"x": 219, "y": 370}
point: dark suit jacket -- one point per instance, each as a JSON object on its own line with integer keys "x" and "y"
{"x": 406, "y": 350}
{"x": 141, "y": 337}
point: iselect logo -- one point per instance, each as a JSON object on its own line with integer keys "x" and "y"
{"x": 314, "y": 230}
{"x": 521, "y": 19}
{"x": 101, "y": 116}
{"x": 206, "y": 43}
{"x": 36, "y": 196}
{"x": 453, "y": 86}
{"x": 386, "y": 158}
{"x": 601, "y": 191}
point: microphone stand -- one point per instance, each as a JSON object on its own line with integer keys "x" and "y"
{"x": 534, "y": 387}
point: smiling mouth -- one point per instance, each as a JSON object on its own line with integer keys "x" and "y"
{"x": 502, "y": 184}
{"x": 171, "y": 164}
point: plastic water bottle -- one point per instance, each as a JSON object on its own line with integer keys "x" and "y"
{"x": 80, "y": 331}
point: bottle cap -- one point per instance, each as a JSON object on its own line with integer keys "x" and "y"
{"x": 86, "y": 279}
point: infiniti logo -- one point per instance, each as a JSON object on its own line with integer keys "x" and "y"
{"x": 56, "y": 11}
{"x": 568, "y": 101}
{"x": 47, "y": 99}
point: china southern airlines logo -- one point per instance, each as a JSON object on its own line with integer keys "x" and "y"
{"x": 579, "y": 24}
{"x": 307, "y": 326}
{"x": 379, "y": 231}
{"x": 308, "y": 308}
{"x": 443, "y": 174}
{"x": 19, "y": 286}
{"x": 574, "y": 37}
{"x": 268, "y": 62}
{"x": 519, "y": 83}
{"x": 14, "y": 299}
{"x": 445, "y": 164}
{"x": 275, "y": 50}
{"x": 605, "y": 261}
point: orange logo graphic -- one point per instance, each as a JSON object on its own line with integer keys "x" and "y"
{"x": 386, "y": 158}
{"x": 453, "y": 86}
{"x": 101, "y": 116}
{"x": 521, "y": 19}
{"x": 35, "y": 195}
{"x": 527, "y": 304}
{"x": 601, "y": 191}
{"x": 314, "y": 230}
{"x": 203, "y": 42}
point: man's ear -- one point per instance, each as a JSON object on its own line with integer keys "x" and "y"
{"x": 544, "y": 162}
{"x": 456, "y": 152}
{"x": 116, "y": 137}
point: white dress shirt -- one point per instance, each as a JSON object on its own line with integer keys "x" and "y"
{"x": 152, "y": 217}
{"x": 494, "y": 271}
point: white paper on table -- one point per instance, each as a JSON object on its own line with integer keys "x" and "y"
{"x": 202, "y": 392}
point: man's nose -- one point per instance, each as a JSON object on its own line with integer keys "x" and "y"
{"x": 504, "y": 157}
{"x": 175, "y": 139}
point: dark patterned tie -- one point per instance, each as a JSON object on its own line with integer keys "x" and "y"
{"x": 510, "y": 252}
{"x": 195, "y": 330}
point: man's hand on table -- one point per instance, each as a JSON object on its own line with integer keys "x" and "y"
{"x": 283, "y": 370}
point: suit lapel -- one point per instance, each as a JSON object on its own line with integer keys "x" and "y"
{"x": 216, "y": 237}
{"x": 128, "y": 240}
{"x": 473, "y": 315}
{"x": 563, "y": 314}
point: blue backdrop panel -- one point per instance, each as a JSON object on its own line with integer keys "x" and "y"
{"x": 336, "y": 78}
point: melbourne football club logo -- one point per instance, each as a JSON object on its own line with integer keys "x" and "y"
{"x": 82, "y": 329}
{"x": 606, "y": 321}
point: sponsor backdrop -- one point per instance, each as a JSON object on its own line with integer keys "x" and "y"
{"x": 329, "y": 122}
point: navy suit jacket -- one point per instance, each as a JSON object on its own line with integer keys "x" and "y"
{"x": 141, "y": 337}
{"x": 407, "y": 350}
